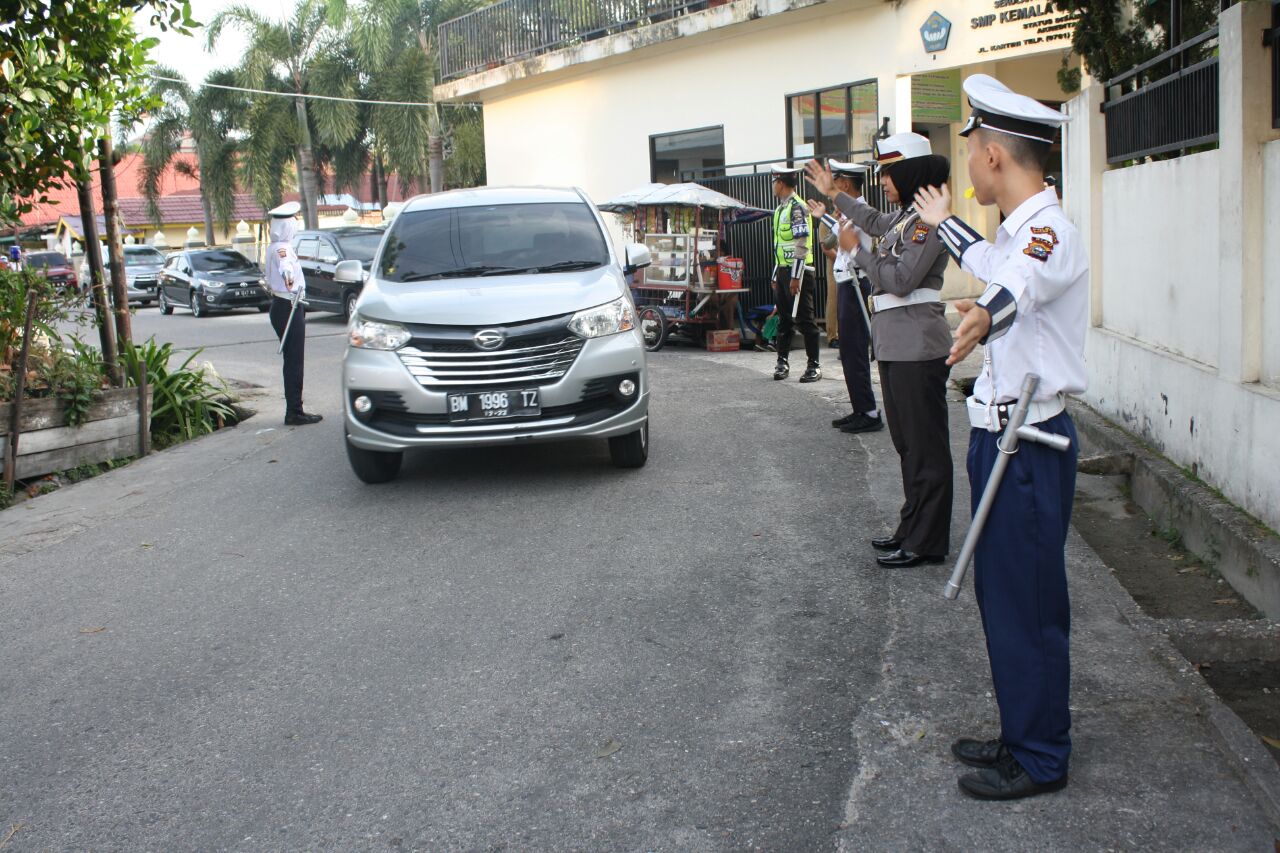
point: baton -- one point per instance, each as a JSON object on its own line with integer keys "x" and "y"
{"x": 293, "y": 306}
{"x": 795, "y": 303}
{"x": 1016, "y": 429}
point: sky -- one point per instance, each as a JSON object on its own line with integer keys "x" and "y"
{"x": 187, "y": 54}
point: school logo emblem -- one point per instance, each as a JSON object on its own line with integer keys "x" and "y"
{"x": 935, "y": 33}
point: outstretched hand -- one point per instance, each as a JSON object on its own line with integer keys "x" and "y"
{"x": 975, "y": 322}
{"x": 818, "y": 174}
{"x": 816, "y": 208}
{"x": 933, "y": 204}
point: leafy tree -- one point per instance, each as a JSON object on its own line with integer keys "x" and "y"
{"x": 65, "y": 70}
{"x": 212, "y": 115}
{"x": 1113, "y": 36}
{"x": 465, "y": 166}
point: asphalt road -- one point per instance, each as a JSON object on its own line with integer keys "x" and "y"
{"x": 504, "y": 649}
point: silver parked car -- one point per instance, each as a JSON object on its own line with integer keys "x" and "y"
{"x": 494, "y": 316}
{"x": 142, "y": 265}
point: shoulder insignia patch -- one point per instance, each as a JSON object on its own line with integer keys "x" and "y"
{"x": 1042, "y": 242}
{"x": 920, "y": 234}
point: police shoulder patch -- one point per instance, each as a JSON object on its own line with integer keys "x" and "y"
{"x": 920, "y": 234}
{"x": 1043, "y": 240}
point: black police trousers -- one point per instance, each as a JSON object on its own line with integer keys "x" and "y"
{"x": 294, "y": 348}
{"x": 915, "y": 407}
{"x": 804, "y": 319}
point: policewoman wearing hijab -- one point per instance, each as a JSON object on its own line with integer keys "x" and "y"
{"x": 911, "y": 339}
{"x": 284, "y": 280}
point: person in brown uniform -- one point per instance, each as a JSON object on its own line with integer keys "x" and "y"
{"x": 911, "y": 339}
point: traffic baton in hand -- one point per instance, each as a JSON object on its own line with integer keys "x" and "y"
{"x": 293, "y": 306}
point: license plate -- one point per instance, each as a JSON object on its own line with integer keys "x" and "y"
{"x": 494, "y": 405}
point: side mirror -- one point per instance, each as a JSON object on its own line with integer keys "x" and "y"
{"x": 637, "y": 257}
{"x": 349, "y": 272}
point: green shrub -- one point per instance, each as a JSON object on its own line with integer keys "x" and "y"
{"x": 185, "y": 402}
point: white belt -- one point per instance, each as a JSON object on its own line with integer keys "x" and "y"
{"x": 992, "y": 417}
{"x": 919, "y": 296}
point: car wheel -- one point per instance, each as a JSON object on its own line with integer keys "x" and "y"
{"x": 653, "y": 327}
{"x": 197, "y": 307}
{"x": 262, "y": 309}
{"x": 631, "y": 450}
{"x": 165, "y": 307}
{"x": 373, "y": 466}
{"x": 349, "y": 305}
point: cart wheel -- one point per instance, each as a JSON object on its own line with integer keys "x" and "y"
{"x": 653, "y": 326}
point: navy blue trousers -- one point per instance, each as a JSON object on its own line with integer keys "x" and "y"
{"x": 855, "y": 345}
{"x": 294, "y": 350}
{"x": 1020, "y": 581}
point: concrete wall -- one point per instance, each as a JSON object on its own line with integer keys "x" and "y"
{"x": 1160, "y": 261}
{"x": 1184, "y": 350}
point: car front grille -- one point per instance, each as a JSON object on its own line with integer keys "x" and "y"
{"x": 526, "y": 362}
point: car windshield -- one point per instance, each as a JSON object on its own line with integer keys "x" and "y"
{"x": 497, "y": 239}
{"x": 142, "y": 257}
{"x": 221, "y": 260}
{"x": 44, "y": 260}
{"x": 360, "y": 247}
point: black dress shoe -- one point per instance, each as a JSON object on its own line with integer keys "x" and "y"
{"x": 849, "y": 418}
{"x": 781, "y": 370}
{"x": 863, "y": 423}
{"x": 301, "y": 418}
{"x": 901, "y": 559}
{"x": 834, "y": 343}
{"x": 812, "y": 373}
{"x": 1007, "y": 780}
{"x": 886, "y": 543}
{"x": 977, "y": 753}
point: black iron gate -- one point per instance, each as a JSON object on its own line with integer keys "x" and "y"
{"x": 753, "y": 242}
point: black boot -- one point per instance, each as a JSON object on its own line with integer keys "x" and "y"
{"x": 812, "y": 373}
{"x": 782, "y": 369}
{"x": 301, "y": 418}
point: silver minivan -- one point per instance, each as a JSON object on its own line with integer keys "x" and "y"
{"x": 494, "y": 316}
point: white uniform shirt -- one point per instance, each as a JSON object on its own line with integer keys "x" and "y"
{"x": 843, "y": 267}
{"x": 282, "y": 262}
{"x": 1038, "y": 297}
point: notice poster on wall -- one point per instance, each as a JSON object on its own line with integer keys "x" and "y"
{"x": 936, "y": 97}
{"x": 1018, "y": 24}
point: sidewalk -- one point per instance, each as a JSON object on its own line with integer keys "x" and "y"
{"x": 1159, "y": 762}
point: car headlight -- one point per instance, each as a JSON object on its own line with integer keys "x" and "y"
{"x": 209, "y": 283}
{"x": 370, "y": 334}
{"x": 609, "y": 319}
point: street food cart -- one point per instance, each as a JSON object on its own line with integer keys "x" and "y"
{"x": 689, "y": 287}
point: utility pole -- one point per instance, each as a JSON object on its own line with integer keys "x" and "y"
{"x": 98, "y": 289}
{"x": 115, "y": 246}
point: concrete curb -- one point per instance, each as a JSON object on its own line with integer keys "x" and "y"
{"x": 1240, "y": 548}
{"x": 1204, "y": 518}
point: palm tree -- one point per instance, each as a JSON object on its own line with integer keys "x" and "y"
{"x": 288, "y": 56}
{"x": 211, "y": 115}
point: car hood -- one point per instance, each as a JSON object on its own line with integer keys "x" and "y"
{"x": 233, "y": 276}
{"x": 143, "y": 269}
{"x": 496, "y": 301}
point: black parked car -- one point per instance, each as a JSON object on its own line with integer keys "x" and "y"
{"x": 320, "y": 252}
{"x": 207, "y": 280}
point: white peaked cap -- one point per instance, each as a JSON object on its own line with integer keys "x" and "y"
{"x": 286, "y": 210}
{"x": 902, "y": 146}
{"x": 997, "y": 107}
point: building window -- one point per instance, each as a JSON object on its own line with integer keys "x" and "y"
{"x": 833, "y": 122}
{"x": 686, "y": 155}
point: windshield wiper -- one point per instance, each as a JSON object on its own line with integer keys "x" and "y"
{"x": 565, "y": 266}
{"x": 461, "y": 272}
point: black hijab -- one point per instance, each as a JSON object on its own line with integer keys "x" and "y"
{"x": 911, "y": 176}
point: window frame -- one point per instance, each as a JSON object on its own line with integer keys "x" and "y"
{"x": 653, "y": 146}
{"x": 847, "y": 88}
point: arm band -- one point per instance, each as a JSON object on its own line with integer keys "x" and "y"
{"x": 1002, "y": 307}
{"x": 957, "y": 236}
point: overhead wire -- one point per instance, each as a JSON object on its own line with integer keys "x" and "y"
{"x": 268, "y": 92}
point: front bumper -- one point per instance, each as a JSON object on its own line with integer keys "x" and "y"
{"x": 579, "y": 404}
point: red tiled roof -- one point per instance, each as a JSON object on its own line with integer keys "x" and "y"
{"x": 184, "y": 208}
{"x": 63, "y": 201}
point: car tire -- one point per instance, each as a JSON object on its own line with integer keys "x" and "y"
{"x": 631, "y": 450}
{"x": 653, "y": 328}
{"x": 197, "y": 307}
{"x": 349, "y": 305}
{"x": 165, "y": 307}
{"x": 262, "y": 309}
{"x": 373, "y": 466}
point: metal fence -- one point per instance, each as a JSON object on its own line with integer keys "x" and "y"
{"x": 511, "y": 30}
{"x": 753, "y": 241}
{"x": 1148, "y": 114}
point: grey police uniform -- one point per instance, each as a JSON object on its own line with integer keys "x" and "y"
{"x": 911, "y": 339}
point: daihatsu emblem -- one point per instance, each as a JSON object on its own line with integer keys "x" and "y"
{"x": 489, "y": 339}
